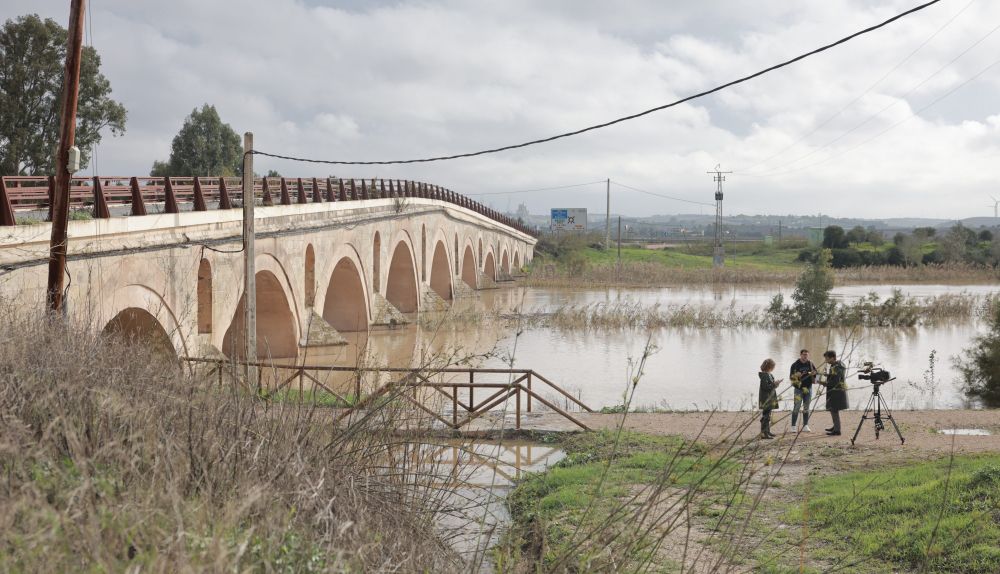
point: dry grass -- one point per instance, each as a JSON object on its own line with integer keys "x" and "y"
{"x": 114, "y": 460}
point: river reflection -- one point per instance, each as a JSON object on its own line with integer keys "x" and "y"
{"x": 690, "y": 368}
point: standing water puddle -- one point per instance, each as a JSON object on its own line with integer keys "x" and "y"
{"x": 965, "y": 432}
{"x": 477, "y": 515}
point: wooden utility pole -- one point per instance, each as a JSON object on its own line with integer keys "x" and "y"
{"x": 250, "y": 271}
{"x": 67, "y": 136}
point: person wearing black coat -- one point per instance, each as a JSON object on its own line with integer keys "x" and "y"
{"x": 767, "y": 397}
{"x": 836, "y": 390}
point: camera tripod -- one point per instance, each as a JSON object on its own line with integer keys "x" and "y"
{"x": 878, "y": 403}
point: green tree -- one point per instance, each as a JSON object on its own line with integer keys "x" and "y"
{"x": 203, "y": 146}
{"x": 813, "y": 305}
{"x": 32, "y": 63}
{"x": 857, "y": 234}
{"x": 834, "y": 237}
{"x": 980, "y": 366}
{"x": 925, "y": 232}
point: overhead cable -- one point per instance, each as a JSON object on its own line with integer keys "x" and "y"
{"x": 621, "y": 119}
{"x": 662, "y": 195}
{"x": 537, "y": 189}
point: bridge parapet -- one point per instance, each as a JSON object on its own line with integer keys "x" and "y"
{"x": 130, "y": 195}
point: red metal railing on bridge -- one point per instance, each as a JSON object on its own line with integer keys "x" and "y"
{"x": 100, "y": 193}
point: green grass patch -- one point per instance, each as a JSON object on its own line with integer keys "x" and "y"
{"x": 594, "y": 481}
{"x": 913, "y": 516}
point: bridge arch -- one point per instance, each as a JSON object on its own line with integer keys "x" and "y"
{"x": 402, "y": 284}
{"x": 504, "y": 263}
{"x": 204, "y": 296}
{"x": 490, "y": 266}
{"x": 345, "y": 305}
{"x": 440, "y": 274}
{"x": 469, "y": 267}
{"x": 134, "y": 325}
{"x": 277, "y": 326}
{"x": 517, "y": 260}
{"x": 132, "y": 309}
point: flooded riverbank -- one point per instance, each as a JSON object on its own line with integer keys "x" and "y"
{"x": 688, "y": 368}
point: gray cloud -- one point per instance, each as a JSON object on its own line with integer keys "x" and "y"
{"x": 377, "y": 80}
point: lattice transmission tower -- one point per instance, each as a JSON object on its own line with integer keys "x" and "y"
{"x": 719, "y": 253}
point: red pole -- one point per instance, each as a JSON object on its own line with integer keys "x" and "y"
{"x": 67, "y": 136}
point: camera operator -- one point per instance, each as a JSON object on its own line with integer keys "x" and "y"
{"x": 802, "y": 375}
{"x": 836, "y": 390}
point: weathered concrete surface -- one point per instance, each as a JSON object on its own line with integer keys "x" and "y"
{"x": 181, "y": 275}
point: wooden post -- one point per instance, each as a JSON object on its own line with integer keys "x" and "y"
{"x": 6, "y": 211}
{"x": 67, "y": 136}
{"x": 249, "y": 265}
{"x": 454, "y": 407}
{"x": 472, "y": 400}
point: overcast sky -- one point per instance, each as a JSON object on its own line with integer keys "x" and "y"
{"x": 870, "y": 129}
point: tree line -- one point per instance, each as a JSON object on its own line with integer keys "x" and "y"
{"x": 923, "y": 246}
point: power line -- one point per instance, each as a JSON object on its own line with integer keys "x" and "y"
{"x": 662, "y": 195}
{"x": 836, "y": 114}
{"x": 536, "y": 189}
{"x": 621, "y": 119}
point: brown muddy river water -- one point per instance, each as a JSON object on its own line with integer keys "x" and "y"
{"x": 689, "y": 368}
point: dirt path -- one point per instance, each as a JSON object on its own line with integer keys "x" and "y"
{"x": 919, "y": 428}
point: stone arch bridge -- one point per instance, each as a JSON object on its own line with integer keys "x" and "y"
{"x": 330, "y": 259}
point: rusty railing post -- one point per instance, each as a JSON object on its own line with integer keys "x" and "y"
{"x": 6, "y": 211}
{"x": 224, "y": 200}
{"x": 286, "y": 199}
{"x": 301, "y": 192}
{"x": 169, "y": 199}
{"x": 266, "y": 198}
{"x": 101, "y": 210}
{"x": 199, "y": 196}
{"x": 317, "y": 194}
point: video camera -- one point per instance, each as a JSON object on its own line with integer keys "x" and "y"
{"x": 876, "y": 375}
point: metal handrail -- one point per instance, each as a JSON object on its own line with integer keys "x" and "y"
{"x": 420, "y": 378}
{"x": 22, "y": 193}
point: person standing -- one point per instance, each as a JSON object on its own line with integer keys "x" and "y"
{"x": 768, "y": 397}
{"x": 802, "y": 375}
{"x": 836, "y": 390}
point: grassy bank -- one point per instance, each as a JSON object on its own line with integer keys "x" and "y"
{"x": 577, "y": 264}
{"x": 722, "y": 507}
{"x": 117, "y": 460}
{"x": 611, "y": 503}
